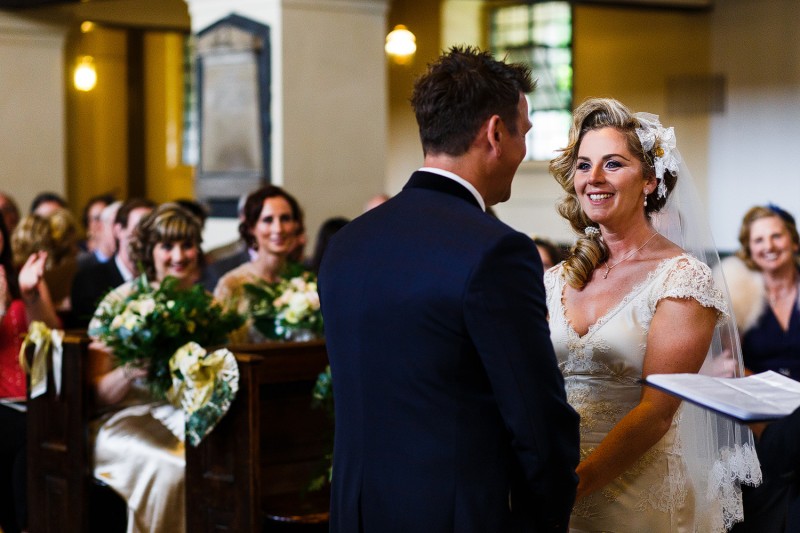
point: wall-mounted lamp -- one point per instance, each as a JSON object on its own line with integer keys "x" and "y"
{"x": 85, "y": 76}
{"x": 401, "y": 45}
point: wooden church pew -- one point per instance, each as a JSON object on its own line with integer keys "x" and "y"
{"x": 59, "y": 470}
{"x": 251, "y": 473}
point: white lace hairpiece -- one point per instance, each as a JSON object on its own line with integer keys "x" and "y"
{"x": 660, "y": 142}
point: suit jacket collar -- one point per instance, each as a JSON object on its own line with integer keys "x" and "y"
{"x": 435, "y": 182}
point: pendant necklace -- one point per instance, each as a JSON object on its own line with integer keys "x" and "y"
{"x": 627, "y": 256}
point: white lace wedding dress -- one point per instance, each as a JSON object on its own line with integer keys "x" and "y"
{"x": 602, "y": 370}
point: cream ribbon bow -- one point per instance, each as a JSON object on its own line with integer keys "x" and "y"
{"x": 43, "y": 338}
{"x": 203, "y": 386}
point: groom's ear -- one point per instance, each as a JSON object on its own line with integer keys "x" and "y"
{"x": 494, "y": 133}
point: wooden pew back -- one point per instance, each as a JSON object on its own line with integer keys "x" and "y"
{"x": 254, "y": 468}
{"x": 59, "y": 472}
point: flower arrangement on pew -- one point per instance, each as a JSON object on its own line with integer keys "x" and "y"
{"x": 148, "y": 326}
{"x": 287, "y": 310}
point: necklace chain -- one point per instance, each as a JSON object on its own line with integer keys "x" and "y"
{"x": 627, "y": 256}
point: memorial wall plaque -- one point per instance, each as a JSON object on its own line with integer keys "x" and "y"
{"x": 233, "y": 98}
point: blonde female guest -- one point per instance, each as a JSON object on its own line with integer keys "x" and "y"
{"x": 135, "y": 453}
{"x": 626, "y": 303}
{"x": 270, "y": 228}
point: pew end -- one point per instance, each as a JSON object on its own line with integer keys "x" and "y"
{"x": 252, "y": 472}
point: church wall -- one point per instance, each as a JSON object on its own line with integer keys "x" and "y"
{"x": 32, "y": 138}
{"x": 754, "y": 142}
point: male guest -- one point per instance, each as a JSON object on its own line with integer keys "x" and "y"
{"x": 94, "y": 281}
{"x": 451, "y": 414}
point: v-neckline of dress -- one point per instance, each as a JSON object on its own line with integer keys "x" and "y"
{"x": 616, "y": 308}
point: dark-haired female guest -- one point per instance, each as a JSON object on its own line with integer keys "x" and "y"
{"x": 270, "y": 228}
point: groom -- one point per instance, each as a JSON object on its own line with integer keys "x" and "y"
{"x": 450, "y": 409}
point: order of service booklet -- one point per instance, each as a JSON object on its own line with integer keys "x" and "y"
{"x": 757, "y": 398}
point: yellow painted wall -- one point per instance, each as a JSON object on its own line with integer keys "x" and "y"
{"x": 97, "y": 135}
{"x": 97, "y": 122}
{"x": 167, "y": 177}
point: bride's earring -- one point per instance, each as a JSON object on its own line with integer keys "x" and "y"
{"x": 645, "y": 197}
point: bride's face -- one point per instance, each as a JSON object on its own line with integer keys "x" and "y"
{"x": 771, "y": 246}
{"x": 609, "y": 178}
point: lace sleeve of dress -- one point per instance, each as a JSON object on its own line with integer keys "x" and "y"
{"x": 688, "y": 277}
{"x": 550, "y": 278}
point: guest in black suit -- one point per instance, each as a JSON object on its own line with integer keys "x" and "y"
{"x": 450, "y": 409}
{"x": 95, "y": 280}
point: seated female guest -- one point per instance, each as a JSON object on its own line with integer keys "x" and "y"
{"x": 763, "y": 279}
{"x": 56, "y": 234}
{"x": 270, "y": 228}
{"x": 135, "y": 453}
{"x": 22, "y": 299}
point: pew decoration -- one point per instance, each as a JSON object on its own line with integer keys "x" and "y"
{"x": 203, "y": 385}
{"x": 42, "y": 338}
{"x": 148, "y": 325}
{"x": 287, "y": 310}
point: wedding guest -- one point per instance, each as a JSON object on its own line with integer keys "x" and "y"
{"x": 375, "y": 201}
{"x": 223, "y": 259}
{"x": 627, "y": 303}
{"x": 450, "y": 410}
{"x": 93, "y": 226}
{"x": 134, "y": 452}
{"x": 326, "y": 231}
{"x": 270, "y": 228}
{"x": 56, "y": 234}
{"x": 94, "y": 281}
{"x": 763, "y": 279}
{"x": 45, "y": 203}
{"x": 9, "y": 211}
{"x": 106, "y": 241}
{"x": 23, "y": 299}
{"x": 548, "y": 251}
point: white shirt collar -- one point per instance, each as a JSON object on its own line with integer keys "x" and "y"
{"x": 458, "y": 179}
{"x": 127, "y": 275}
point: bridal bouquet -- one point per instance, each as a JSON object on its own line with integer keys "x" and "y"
{"x": 288, "y": 309}
{"x": 146, "y": 327}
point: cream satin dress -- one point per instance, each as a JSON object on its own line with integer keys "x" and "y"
{"x": 140, "y": 458}
{"x": 602, "y": 370}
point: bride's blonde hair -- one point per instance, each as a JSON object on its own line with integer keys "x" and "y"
{"x": 590, "y": 250}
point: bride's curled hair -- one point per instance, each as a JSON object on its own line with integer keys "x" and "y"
{"x": 594, "y": 114}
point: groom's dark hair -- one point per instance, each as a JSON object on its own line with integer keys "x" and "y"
{"x": 460, "y": 91}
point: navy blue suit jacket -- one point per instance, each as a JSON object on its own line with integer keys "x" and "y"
{"x": 450, "y": 408}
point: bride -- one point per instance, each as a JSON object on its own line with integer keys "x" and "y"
{"x": 627, "y": 303}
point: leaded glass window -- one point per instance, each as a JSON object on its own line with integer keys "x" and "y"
{"x": 540, "y": 35}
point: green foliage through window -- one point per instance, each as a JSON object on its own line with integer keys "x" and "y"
{"x": 540, "y": 35}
